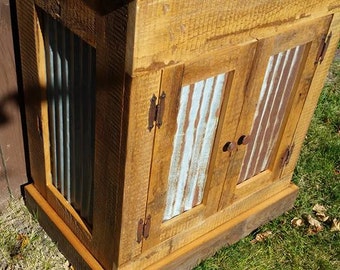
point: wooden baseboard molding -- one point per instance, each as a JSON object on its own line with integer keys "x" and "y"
{"x": 68, "y": 243}
{"x": 226, "y": 234}
{"x": 184, "y": 258}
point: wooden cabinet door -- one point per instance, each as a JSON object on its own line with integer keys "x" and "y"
{"x": 199, "y": 102}
{"x": 283, "y": 70}
{"x": 226, "y": 130}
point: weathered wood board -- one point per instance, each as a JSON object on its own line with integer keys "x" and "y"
{"x": 12, "y": 162}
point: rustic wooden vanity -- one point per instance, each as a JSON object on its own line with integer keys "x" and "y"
{"x": 161, "y": 130}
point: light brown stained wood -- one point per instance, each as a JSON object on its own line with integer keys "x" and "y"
{"x": 53, "y": 196}
{"x": 139, "y": 148}
{"x": 76, "y": 252}
{"x": 160, "y": 38}
{"x": 183, "y": 31}
{"x": 32, "y": 91}
{"x": 227, "y": 181}
{"x": 303, "y": 34}
{"x": 278, "y": 83}
{"x": 171, "y": 84}
{"x": 112, "y": 111}
{"x": 232, "y": 62}
{"x": 12, "y": 163}
{"x": 43, "y": 120}
{"x": 229, "y": 233}
{"x": 222, "y": 218}
{"x": 111, "y": 98}
{"x": 75, "y": 15}
{"x": 303, "y": 88}
{"x": 298, "y": 95}
{"x": 229, "y": 118}
{"x": 313, "y": 94}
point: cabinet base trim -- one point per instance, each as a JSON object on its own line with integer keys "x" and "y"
{"x": 184, "y": 258}
{"x": 68, "y": 243}
{"x": 224, "y": 235}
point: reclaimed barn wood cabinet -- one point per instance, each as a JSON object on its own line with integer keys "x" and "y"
{"x": 159, "y": 132}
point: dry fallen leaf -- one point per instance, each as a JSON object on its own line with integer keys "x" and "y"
{"x": 322, "y": 217}
{"x": 23, "y": 238}
{"x": 21, "y": 242}
{"x": 320, "y": 212}
{"x": 260, "y": 237}
{"x": 318, "y": 208}
{"x": 314, "y": 225}
{"x": 297, "y": 222}
{"x": 335, "y": 225}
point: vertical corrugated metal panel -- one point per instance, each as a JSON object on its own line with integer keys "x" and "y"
{"x": 70, "y": 66}
{"x": 274, "y": 96}
{"x": 196, "y": 127}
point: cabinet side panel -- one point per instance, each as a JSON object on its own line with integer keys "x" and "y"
{"x": 27, "y": 21}
{"x": 110, "y": 136}
{"x": 70, "y": 70}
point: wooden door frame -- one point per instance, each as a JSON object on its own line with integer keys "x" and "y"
{"x": 307, "y": 34}
{"x": 233, "y": 61}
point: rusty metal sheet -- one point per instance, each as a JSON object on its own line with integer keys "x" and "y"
{"x": 274, "y": 97}
{"x": 196, "y": 127}
{"x": 70, "y": 64}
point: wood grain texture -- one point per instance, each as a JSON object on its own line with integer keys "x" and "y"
{"x": 316, "y": 85}
{"x": 303, "y": 34}
{"x": 76, "y": 16}
{"x": 243, "y": 108}
{"x": 170, "y": 83}
{"x": 111, "y": 114}
{"x": 278, "y": 83}
{"x": 138, "y": 161}
{"x": 79, "y": 256}
{"x": 28, "y": 37}
{"x": 146, "y": 47}
{"x": 190, "y": 232}
{"x": 229, "y": 233}
{"x": 12, "y": 163}
{"x": 110, "y": 97}
{"x": 301, "y": 92}
{"x": 34, "y": 84}
{"x": 231, "y": 62}
{"x": 229, "y": 120}
{"x": 176, "y": 246}
{"x": 184, "y": 31}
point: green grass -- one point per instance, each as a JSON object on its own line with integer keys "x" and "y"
{"x": 24, "y": 244}
{"x": 318, "y": 176}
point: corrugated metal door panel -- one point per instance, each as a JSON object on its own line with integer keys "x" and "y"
{"x": 275, "y": 93}
{"x": 70, "y": 72}
{"x": 196, "y": 127}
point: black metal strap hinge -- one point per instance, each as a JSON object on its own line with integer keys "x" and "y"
{"x": 143, "y": 229}
{"x": 323, "y": 48}
{"x": 287, "y": 155}
{"x": 156, "y": 112}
